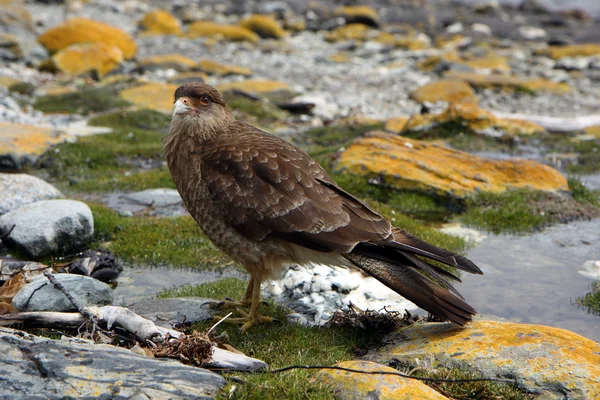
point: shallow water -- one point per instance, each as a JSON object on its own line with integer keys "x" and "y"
{"x": 535, "y": 279}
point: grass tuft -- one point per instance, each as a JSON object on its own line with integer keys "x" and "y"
{"x": 83, "y": 101}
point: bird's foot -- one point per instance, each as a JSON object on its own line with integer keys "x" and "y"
{"x": 247, "y": 321}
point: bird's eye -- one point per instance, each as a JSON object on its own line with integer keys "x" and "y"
{"x": 204, "y": 99}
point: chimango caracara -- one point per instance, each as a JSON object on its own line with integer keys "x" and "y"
{"x": 267, "y": 204}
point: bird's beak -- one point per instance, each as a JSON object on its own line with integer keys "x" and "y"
{"x": 180, "y": 108}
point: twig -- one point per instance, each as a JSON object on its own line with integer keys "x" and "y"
{"x": 82, "y": 310}
{"x": 358, "y": 371}
{"x": 217, "y": 324}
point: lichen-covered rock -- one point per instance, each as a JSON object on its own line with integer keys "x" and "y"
{"x": 41, "y": 368}
{"x": 254, "y": 86}
{"x": 449, "y": 90}
{"x": 15, "y": 16}
{"x": 21, "y": 143}
{"x": 215, "y": 68}
{"x": 10, "y": 48}
{"x": 545, "y": 360}
{"x": 82, "y": 30}
{"x": 509, "y": 83}
{"x": 354, "y": 386}
{"x": 395, "y": 124}
{"x": 474, "y": 120}
{"x": 160, "y": 22}
{"x": 177, "y": 62}
{"x": 154, "y": 96}
{"x": 41, "y": 295}
{"x": 480, "y": 64}
{"x": 227, "y": 32}
{"x": 350, "y": 32}
{"x": 264, "y": 26}
{"x": 593, "y": 131}
{"x": 358, "y": 14}
{"x": 403, "y": 163}
{"x": 48, "y": 227}
{"x": 80, "y": 58}
{"x": 572, "y": 50}
{"x": 449, "y": 42}
{"x": 20, "y": 189}
{"x": 189, "y": 77}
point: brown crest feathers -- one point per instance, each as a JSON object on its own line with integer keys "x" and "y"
{"x": 197, "y": 89}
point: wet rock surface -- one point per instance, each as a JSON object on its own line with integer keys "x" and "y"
{"x": 36, "y": 367}
{"x": 21, "y": 189}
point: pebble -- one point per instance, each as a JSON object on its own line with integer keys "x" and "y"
{"x": 20, "y": 189}
{"x": 48, "y": 227}
{"x": 41, "y": 295}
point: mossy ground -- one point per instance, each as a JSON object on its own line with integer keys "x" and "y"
{"x": 84, "y": 101}
{"x": 282, "y": 344}
{"x": 588, "y": 160}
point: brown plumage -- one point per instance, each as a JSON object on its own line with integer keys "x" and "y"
{"x": 266, "y": 203}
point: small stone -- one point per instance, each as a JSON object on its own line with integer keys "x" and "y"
{"x": 160, "y": 22}
{"x": 20, "y": 189}
{"x": 358, "y": 14}
{"x": 325, "y": 105}
{"x": 447, "y": 90}
{"x": 226, "y": 32}
{"x": 573, "y": 50}
{"x": 264, "y": 26}
{"x": 532, "y": 32}
{"x": 177, "y": 62}
{"x": 481, "y": 29}
{"x": 41, "y": 295}
{"x": 48, "y": 227}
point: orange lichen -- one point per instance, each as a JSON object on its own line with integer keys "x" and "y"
{"x": 227, "y": 32}
{"x": 264, "y": 26}
{"x": 510, "y": 83}
{"x": 175, "y": 61}
{"x": 404, "y": 163}
{"x": 84, "y": 57}
{"x": 154, "y": 96}
{"x": 26, "y": 139}
{"x": 214, "y": 68}
{"x": 83, "y": 30}
{"x": 161, "y": 22}
{"x": 448, "y": 90}
{"x": 395, "y": 124}
{"x": 572, "y": 50}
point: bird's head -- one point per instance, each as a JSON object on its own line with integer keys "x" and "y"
{"x": 199, "y": 108}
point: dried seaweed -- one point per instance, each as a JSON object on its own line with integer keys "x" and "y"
{"x": 382, "y": 320}
{"x": 194, "y": 349}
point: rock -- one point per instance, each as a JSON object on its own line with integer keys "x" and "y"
{"x": 41, "y": 295}
{"x": 593, "y": 131}
{"x": 353, "y": 386}
{"x": 403, "y": 163}
{"x": 39, "y": 368}
{"x": 509, "y": 83}
{"x": 177, "y": 62}
{"x": 154, "y": 96}
{"x": 215, "y": 68}
{"x": 226, "y": 32}
{"x": 20, "y": 189}
{"x": 412, "y": 42}
{"x": 157, "y": 202}
{"x": 254, "y": 86}
{"x": 591, "y": 269}
{"x": 481, "y": 29}
{"x": 80, "y": 58}
{"x": 189, "y": 77}
{"x": 21, "y": 143}
{"x": 160, "y": 22}
{"x": 349, "y": 32}
{"x": 10, "y": 48}
{"x": 449, "y": 42}
{"x": 325, "y": 105}
{"x": 358, "y": 14}
{"x": 395, "y": 124}
{"x": 532, "y": 33}
{"x": 164, "y": 312}
{"x": 573, "y": 63}
{"x": 48, "y": 227}
{"x": 448, "y": 90}
{"x": 475, "y": 121}
{"x": 545, "y": 361}
{"x": 80, "y": 30}
{"x": 573, "y": 50}
{"x": 264, "y": 26}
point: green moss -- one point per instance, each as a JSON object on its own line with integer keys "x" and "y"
{"x": 261, "y": 112}
{"x": 327, "y": 139}
{"x": 84, "y": 101}
{"x": 149, "y": 120}
{"x": 591, "y": 301}
{"x": 22, "y": 88}
{"x": 588, "y": 160}
{"x": 175, "y": 241}
{"x": 582, "y": 194}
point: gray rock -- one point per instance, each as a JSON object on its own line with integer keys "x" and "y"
{"x": 41, "y": 295}
{"x": 48, "y": 227}
{"x": 155, "y": 197}
{"x": 164, "y": 311}
{"x": 40, "y": 368}
{"x": 20, "y": 189}
{"x": 164, "y": 202}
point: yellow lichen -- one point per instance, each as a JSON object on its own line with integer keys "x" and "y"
{"x": 451, "y": 42}
{"x": 214, "y": 68}
{"x": 83, "y": 30}
{"x": 572, "y": 50}
{"x": 510, "y": 83}
{"x": 416, "y": 165}
{"x": 350, "y": 385}
{"x": 26, "y": 139}
{"x": 395, "y": 124}
{"x": 341, "y": 57}
{"x": 349, "y": 32}
{"x": 448, "y": 90}
{"x": 495, "y": 343}
{"x": 161, "y": 22}
{"x": 79, "y": 58}
{"x": 226, "y": 32}
{"x": 593, "y": 131}
{"x": 264, "y": 26}
{"x": 189, "y": 77}
{"x": 154, "y": 96}
{"x": 254, "y": 86}
{"x": 175, "y": 61}
{"x": 7, "y": 81}
{"x": 361, "y": 14}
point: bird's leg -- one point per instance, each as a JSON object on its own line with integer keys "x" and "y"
{"x": 253, "y": 318}
{"x": 230, "y": 303}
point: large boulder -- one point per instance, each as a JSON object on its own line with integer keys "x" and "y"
{"x": 403, "y": 163}
{"x": 20, "y": 189}
{"x": 48, "y": 227}
{"x": 544, "y": 360}
{"x": 40, "y": 368}
{"x": 41, "y": 295}
{"x": 83, "y": 30}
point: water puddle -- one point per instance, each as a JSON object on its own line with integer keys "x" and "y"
{"x": 535, "y": 279}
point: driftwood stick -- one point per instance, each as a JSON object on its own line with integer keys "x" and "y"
{"x": 142, "y": 327}
{"x": 82, "y": 310}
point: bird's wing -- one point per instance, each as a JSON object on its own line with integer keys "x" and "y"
{"x": 267, "y": 187}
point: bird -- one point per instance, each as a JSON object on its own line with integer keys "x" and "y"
{"x": 267, "y": 204}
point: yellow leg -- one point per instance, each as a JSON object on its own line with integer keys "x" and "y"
{"x": 230, "y": 303}
{"x": 248, "y": 320}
